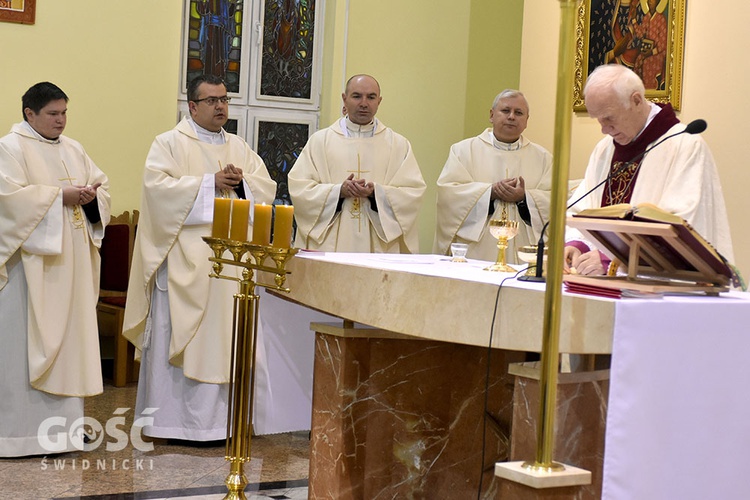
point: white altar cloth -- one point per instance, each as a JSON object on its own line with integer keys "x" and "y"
{"x": 678, "y": 421}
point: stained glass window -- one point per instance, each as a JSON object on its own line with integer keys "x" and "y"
{"x": 279, "y": 144}
{"x": 232, "y": 126}
{"x": 287, "y": 59}
{"x": 271, "y": 72}
{"x": 214, "y": 40}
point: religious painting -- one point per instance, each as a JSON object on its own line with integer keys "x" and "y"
{"x": 214, "y": 42}
{"x": 279, "y": 141}
{"x": 286, "y": 69}
{"x": 18, "y": 11}
{"x": 647, "y": 36}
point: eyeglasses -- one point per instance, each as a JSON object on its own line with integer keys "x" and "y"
{"x": 212, "y": 101}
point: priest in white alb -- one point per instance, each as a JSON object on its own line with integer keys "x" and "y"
{"x": 178, "y": 318}
{"x": 497, "y": 174}
{"x": 356, "y": 186}
{"x": 54, "y": 206}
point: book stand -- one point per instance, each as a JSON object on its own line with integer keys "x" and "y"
{"x": 659, "y": 256}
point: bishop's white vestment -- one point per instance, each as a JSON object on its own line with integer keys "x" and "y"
{"x": 678, "y": 176}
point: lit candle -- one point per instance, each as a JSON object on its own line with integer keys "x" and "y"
{"x": 240, "y": 216}
{"x": 222, "y": 208}
{"x": 262, "y": 225}
{"x": 282, "y": 226}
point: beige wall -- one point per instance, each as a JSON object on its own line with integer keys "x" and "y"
{"x": 118, "y": 62}
{"x": 716, "y": 68}
{"x": 494, "y": 58}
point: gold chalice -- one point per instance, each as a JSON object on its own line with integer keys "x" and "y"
{"x": 504, "y": 230}
{"x": 527, "y": 254}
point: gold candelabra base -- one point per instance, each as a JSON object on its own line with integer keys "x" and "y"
{"x": 236, "y": 482}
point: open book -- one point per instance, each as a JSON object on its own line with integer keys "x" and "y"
{"x": 642, "y": 211}
{"x": 656, "y": 246}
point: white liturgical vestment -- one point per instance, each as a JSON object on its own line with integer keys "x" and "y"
{"x": 49, "y": 284}
{"x": 387, "y": 160}
{"x": 678, "y": 176}
{"x": 465, "y": 186}
{"x": 176, "y": 316}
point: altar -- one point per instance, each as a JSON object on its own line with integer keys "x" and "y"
{"x": 398, "y": 395}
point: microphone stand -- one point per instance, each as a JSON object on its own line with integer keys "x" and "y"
{"x": 694, "y": 127}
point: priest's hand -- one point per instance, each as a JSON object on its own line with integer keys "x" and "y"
{"x": 365, "y": 188}
{"x": 79, "y": 195}
{"x": 509, "y": 190}
{"x": 88, "y": 193}
{"x": 228, "y": 178}
{"x": 577, "y": 262}
{"x": 356, "y": 188}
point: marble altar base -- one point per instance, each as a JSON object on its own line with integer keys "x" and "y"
{"x": 579, "y": 431}
{"x": 398, "y": 417}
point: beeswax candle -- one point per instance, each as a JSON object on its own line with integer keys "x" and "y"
{"x": 262, "y": 225}
{"x": 222, "y": 208}
{"x": 282, "y": 226}
{"x": 240, "y": 216}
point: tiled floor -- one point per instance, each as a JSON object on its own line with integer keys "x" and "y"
{"x": 278, "y": 469}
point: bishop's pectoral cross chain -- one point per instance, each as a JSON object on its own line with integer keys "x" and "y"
{"x": 356, "y": 210}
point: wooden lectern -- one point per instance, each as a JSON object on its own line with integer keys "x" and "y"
{"x": 661, "y": 252}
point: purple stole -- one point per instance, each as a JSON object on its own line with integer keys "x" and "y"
{"x": 619, "y": 189}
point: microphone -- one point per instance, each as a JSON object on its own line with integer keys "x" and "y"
{"x": 694, "y": 127}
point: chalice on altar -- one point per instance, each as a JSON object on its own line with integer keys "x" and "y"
{"x": 503, "y": 229}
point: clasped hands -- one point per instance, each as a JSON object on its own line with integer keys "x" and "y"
{"x": 228, "y": 178}
{"x": 356, "y": 188}
{"x": 79, "y": 195}
{"x": 509, "y": 190}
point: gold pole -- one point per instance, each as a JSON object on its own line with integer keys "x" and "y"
{"x": 553, "y": 294}
{"x": 239, "y": 422}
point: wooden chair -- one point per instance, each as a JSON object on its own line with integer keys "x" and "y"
{"x": 116, "y": 253}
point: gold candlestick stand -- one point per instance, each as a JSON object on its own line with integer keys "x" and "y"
{"x": 245, "y": 330}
